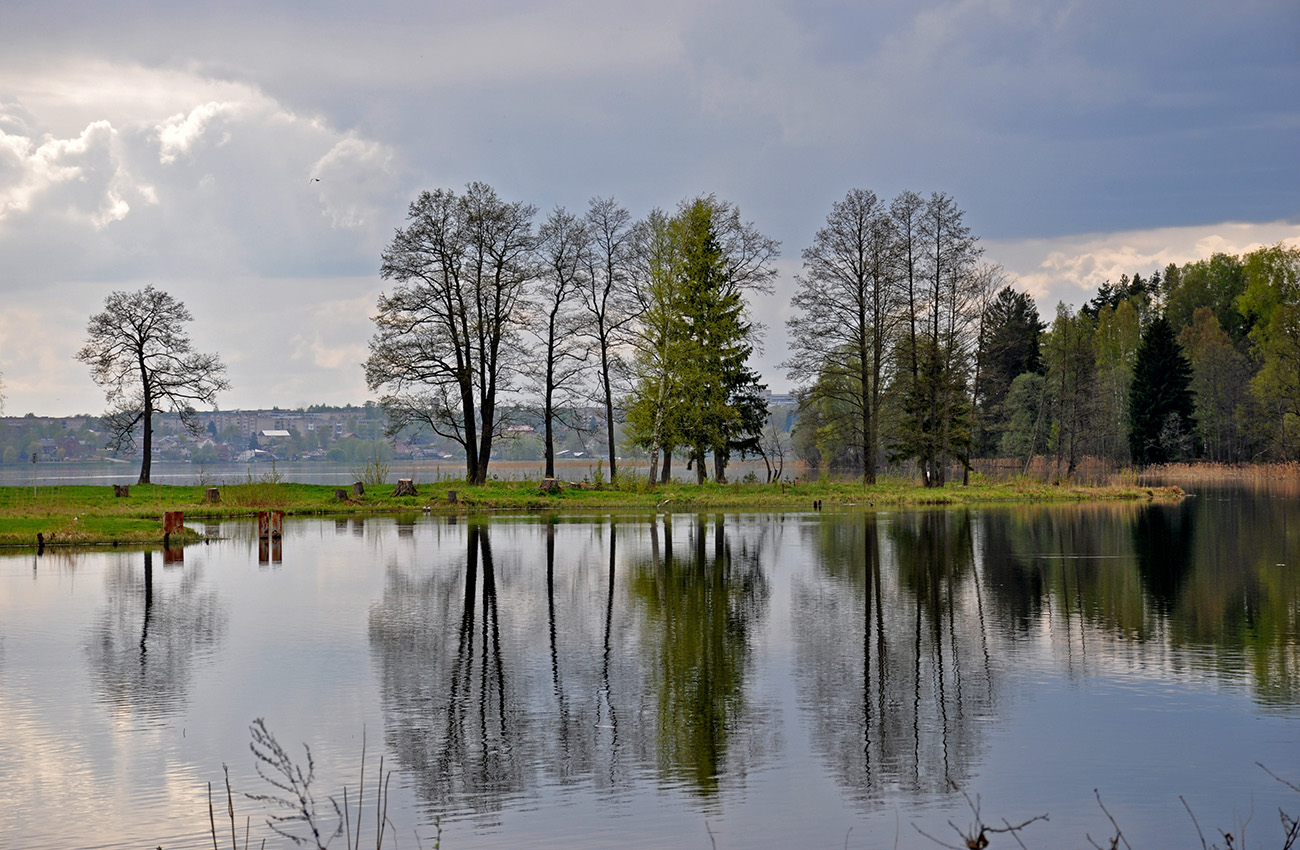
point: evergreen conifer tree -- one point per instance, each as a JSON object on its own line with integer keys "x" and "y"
{"x": 1160, "y": 399}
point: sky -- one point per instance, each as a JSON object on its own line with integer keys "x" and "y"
{"x": 254, "y": 158}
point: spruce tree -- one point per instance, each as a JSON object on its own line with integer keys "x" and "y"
{"x": 1160, "y": 399}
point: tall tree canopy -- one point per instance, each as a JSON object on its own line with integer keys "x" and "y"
{"x": 847, "y": 307}
{"x": 693, "y": 386}
{"x": 1271, "y": 298}
{"x": 1160, "y": 401}
{"x": 139, "y": 351}
{"x": 1010, "y": 337}
{"x": 934, "y": 363}
{"x": 447, "y": 336}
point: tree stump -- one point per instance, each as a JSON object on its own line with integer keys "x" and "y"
{"x": 212, "y": 496}
{"x": 122, "y": 491}
{"x": 341, "y": 494}
{"x": 405, "y": 487}
{"x": 358, "y": 489}
{"x": 550, "y": 485}
{"x": 451, "y": 497}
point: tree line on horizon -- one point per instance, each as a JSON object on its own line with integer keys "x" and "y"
{"x": 907, "y": 347}
{"x": 913, "y": 350}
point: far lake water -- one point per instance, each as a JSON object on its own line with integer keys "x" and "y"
{"x": 774, "y": 680}
{"x": 325, "y": 472}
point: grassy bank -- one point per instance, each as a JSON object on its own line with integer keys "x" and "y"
{"x": 86, "y": 514}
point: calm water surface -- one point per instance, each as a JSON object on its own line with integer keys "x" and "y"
{"x": 754, "y": 680}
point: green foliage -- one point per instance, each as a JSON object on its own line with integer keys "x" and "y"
{"x": 1116, "y": 342}
{"x": 1010, "y": 346}
{"x": 694, "y": 387}
{"x": 1216, "y": 284}
{"x": 1071, "y": 385}
{"x": 1024, "y": 435}
{"x": 1272, "y": 299}
{"x": 1220, "y": 383}
{"x": 1160, "y": 413}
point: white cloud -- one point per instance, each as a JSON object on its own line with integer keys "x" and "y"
{"x": 89, "y": 170}
{"x": 187, "y": 180}
{"x": 353, "y": 180}
{"x": 1071, "y": 268}
{"x": 182, "y": 131}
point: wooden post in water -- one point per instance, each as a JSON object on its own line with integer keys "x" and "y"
{"x": 270, "y": 525}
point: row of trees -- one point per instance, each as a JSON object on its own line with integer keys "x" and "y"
{"x": 486, "y": 304}
{"x": 1195, "y": 361}
{"x": 888, "y": 332}
{"x": 909, "y": 348}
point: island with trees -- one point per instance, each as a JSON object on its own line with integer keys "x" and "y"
{"x": 917, "y": 364}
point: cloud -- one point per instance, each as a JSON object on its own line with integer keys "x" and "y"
{"x": 144, "y": 188}
{"x": 79, "y": 179}
{"x": 182, "y": 131}
{"x": 354, "y": 180}
{"x": 1071, "y": 268}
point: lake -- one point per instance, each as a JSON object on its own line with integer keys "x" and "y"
{"x": 325, "y": 472}
{"x": 770, "y": 680}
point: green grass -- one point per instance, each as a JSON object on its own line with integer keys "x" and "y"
{"x": 91, "y": 514}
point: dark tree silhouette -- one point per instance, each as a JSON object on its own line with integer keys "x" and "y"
{"x": 1160, "y": 401}
{"x": 138, "y": 350}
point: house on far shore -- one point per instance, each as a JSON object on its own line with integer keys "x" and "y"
{"x": 274, "y": 437}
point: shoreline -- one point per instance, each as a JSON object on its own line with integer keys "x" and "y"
{"x": 91, "y": 515}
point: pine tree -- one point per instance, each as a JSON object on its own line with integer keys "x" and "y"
{"x": 1160, "y": 399}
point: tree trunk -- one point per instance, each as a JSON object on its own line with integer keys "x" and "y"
{"x": 146, "y": 443}
{"x": 548, "y": 415}
{"x": 609, "y": 410}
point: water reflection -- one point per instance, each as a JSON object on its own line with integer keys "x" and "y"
{"x": 143, "y": 647}
{"x": 893, "y": 651}
{"x": 1202, "y": 584}
{"x": 587, "y": 652}
{"x": 702, "y": 603}
{"x": 455, "y": 724}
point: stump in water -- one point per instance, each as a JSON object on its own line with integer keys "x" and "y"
{"x": 212, "y": 496}
{"x": 122, "y": 490}
{"x": 341, "y": 494}
{"x": 405, "y": 487}
{"x": 358, "y": 489}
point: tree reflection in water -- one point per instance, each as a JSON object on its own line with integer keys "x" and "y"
{"x": 1103, "y": 579}
{"x": 143, "y": 647}
{"x": 588, "y": 652}
{"x": 702, "y": 603}
{"x": 893, "y": 656}
{"x": 446, "y": 687}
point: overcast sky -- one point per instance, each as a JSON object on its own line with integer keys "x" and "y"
{"x": 176, "y": 144}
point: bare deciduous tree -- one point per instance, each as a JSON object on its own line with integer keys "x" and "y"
{"x": 848, "y": 304}
{"x": 447, "y": 338}
{"x": 564, "y": 253}
{"x": 607, "y": 293}
{"x": 138, "y": 350}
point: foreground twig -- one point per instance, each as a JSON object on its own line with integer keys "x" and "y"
{"x": 295, "y": 797}
{"x": 977, "y": 836}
